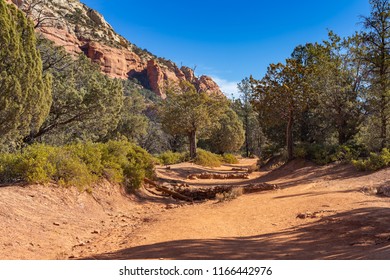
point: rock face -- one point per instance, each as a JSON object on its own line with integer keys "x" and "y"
{"x": 206, "y": 84}
{"x": 79, "y": 29}
{"x": 116, "y": 63}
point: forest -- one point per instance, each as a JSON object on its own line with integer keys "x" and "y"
{"x": 61, "y": 119}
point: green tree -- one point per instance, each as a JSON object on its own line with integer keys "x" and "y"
{"x": 338, "y": 80}
{"x": 229, "y": 135}
{"x": 25, "y": 94}
{"x": 281, "y": 96}
{"x": 133, "y": 123}
{"x": 246, "y": 110}
{"x": 190, "y": 114}
{"x": 86, "y": 104}
{"x": 377, "y": 40}
{"x": 254, "y": 136}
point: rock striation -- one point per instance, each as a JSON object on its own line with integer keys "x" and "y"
{"x": 80, "y": 29}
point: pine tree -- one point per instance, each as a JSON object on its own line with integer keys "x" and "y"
{"x": 229, "y": 135}
{"x": 190, "y": 114}
{"x": 377, "y": 39}
{"x": 281, "y": 96}
{"x": 25, "y": 94}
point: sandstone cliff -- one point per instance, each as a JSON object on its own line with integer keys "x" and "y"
{"x": 78, "y": 28}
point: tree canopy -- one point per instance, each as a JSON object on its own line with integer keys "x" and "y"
{"x": 190, "y": 113}
{"x": 25, "y": 98}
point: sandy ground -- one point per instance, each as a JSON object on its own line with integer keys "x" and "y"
{"x": 319, "y": 213}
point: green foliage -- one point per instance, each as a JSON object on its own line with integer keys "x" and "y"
{"x": 190, "y": 114}
{"x": 324, "y": 154}
{"x": 169, "y": 157}
{"x": 254, "y": 135}
{"x": 9, "y": 165}
{"x": 337, "y": 78}
{"x": 79, "y": 164}
{"x": 228, "y": 135}
{"x": 25, "y": 92}
{"x": 86, "y": 103}
{"x": 133, "y": 123}
{"x": 375, "y": 52}
{"x": 229, "y": 158}
{"x": 282, "y": 95}
{"x": 129, "y": 163}
{"x": 374, "y": 162}
{"x": 208, "y": 159}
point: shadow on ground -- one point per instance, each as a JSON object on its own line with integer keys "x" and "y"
{"x": 358, "y": 234}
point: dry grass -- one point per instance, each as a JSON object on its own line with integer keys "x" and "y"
{"x": 232, "y": 194}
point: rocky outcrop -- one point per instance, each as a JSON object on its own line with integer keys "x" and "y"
{"x": 155, "y": 78}
{"x": 188, "y": 73}
{"x": 79, "y": 29}
{"x": 207, "y": 85}
{"x": 116, "y": 63}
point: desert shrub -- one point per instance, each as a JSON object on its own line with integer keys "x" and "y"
{"x": 36, "y": 164}
{"x": 230, "y": 195}
{"x": 300, "y": 151}
{"x": 127, "y": 163}
{"x": 169, "y": 157}
{"x": 374, "y": 162}
{"x": 9, "y": 165}
{"x": 90, "y": 154}
{"x": 208, "y": 159}
{"x": 229, "y": 158}
{"x": 320, "y": 154}
{"x": 70, "y": 170}
{"x": 79, "y": 165}
{"x": 325, "y": 154}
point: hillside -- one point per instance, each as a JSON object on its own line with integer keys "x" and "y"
{"x": 80, "y": 29}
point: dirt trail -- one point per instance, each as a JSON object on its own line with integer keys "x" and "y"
{"x": 319, "y": 213}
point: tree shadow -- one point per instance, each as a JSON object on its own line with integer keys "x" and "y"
{"x": 358, "y": 234}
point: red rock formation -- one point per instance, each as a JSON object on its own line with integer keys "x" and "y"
{"x": 116, "y": 63}
{"x": 188, "y": 73}
{"x": 62, "y": 37}
{"x": 207, "y": 85}
{"x": 117, "y": 57}
{"x": 156, "y": 78}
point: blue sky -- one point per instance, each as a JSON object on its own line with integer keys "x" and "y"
{"x": 229, "y": 40}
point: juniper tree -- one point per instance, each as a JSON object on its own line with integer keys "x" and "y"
{"x": 25, "y": 93}
{"x": 281, "y": 96}
{"x": 86, "y": 104}
{"x": 228, "y": 135}
{"x": 190, "y": 113}
{"x": 377, "y": 39}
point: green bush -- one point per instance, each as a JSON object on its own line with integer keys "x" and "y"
{"x": 79, "y": 165}
{"x": 36, "y": 164}
{"x": 325, "y": 154}
{"x": 70, "y": 170}
{"x": 300, "y": 151}
{"x": 9, "y": 165}
{"x": 169, "y": 157}
{"x": 127, "y": 163}
{"x": 208, "y": 159}
{"x": 374, "y": 162}
{"x": 229, "y": 158}
{"x": 89, "y": 153}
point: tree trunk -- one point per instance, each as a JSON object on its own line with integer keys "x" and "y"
{"x": 384, "y": 129}
{"x": 342, "y": 137}
{"x": 289, "y": 136}
{"x": 383, "y": 118}
{"x": 247, "y": 136}
{"x": 192, "y": 138}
